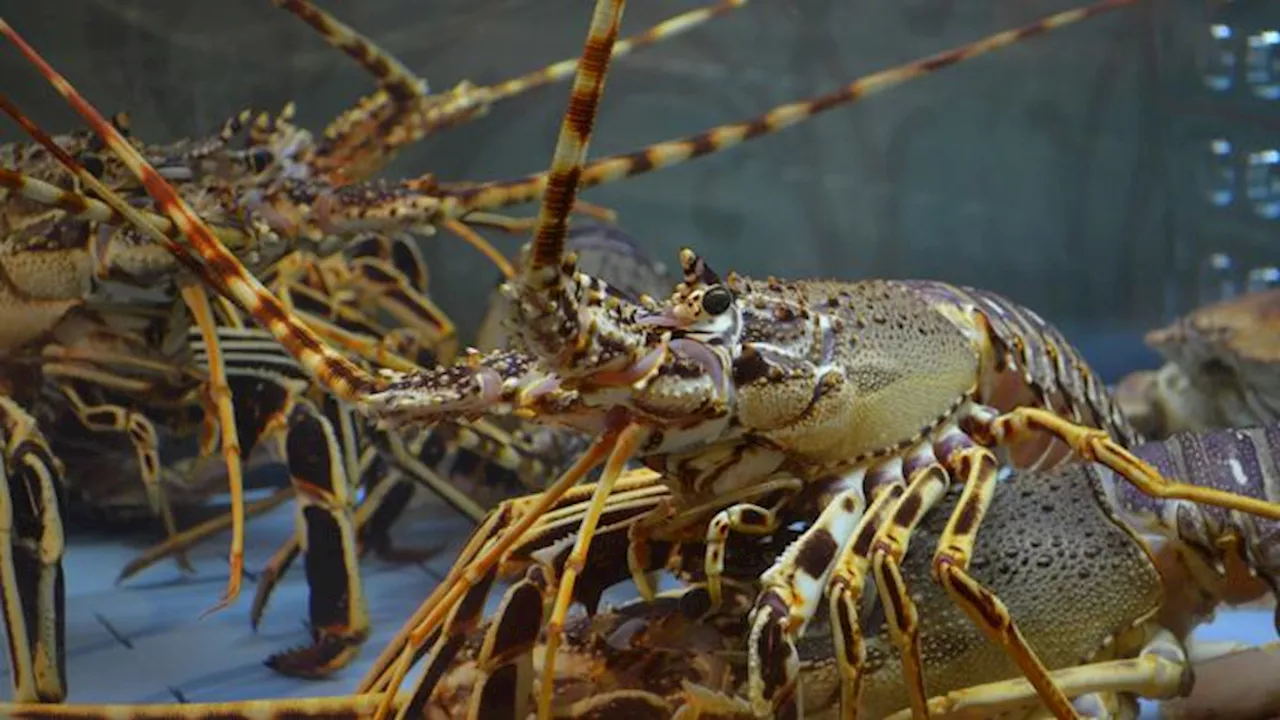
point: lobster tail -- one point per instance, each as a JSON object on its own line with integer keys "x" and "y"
{"x": 1221, "y": 543}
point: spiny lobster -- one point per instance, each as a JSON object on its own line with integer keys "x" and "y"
{"x": 1065, "y": 548}
{"x": 746, "y": 394}
{"x": 266, "y": 198}
{"x": 741, "y": 391}
{"x": 1107, "y": 583}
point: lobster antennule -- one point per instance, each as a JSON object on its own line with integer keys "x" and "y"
{"x": 336, "y": 373}
{"x": 495, "y": 195}
{"x": 484, "y": 384}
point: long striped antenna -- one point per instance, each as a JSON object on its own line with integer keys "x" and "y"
{"x": 543, "y": 268}
{"x": 661, "y": 31}
{"x": 336, "y": 373}
{"x": 427, "y": 200}
{"x": 366, "y": 137}
{"x": 495, "y": 195}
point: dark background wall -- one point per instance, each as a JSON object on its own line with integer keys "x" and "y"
{"x": 1051, "y": 172}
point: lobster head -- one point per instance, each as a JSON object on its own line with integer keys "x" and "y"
{"x": 590, "y": 359}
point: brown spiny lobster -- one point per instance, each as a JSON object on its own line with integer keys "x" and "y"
{"x": 265, "y": 199}
{"x": 745, "y": 395}
{"x": 1106, "y": 581}
{"x": 873, "y": 394}
{"x": 1076, "y": 553}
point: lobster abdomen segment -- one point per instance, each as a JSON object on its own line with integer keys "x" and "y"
{"x": 1236, "y": 550}
{"x": 1031, "y": 353}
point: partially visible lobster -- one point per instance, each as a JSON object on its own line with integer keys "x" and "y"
{"x": 1106, "y": 583}
{"x": 74, "y": 217}
{"x": 1222, "y": 369}
{"x": 1074, "y": 552}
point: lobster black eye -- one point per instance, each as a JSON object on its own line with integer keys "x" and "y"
{"x": 260, "y": 159}
{"x": 93, "y": 164}
{"x": 716, "y": 300}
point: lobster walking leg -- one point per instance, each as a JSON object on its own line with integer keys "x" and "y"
{"x": 743, "y": 518}
{"x": 506, "y": 660}
{"x": 375, "y": 502}
{"x": 977, "y": 467}
{"x": 272, "y": 407}
{"x": 197, "y": 301}
{"x": 716, "y": 538}
{"x": 192, "y": 536}
{"x": 468, "y": 589}
{"x": 387, "y": 492}
{"x": 951, "y": 568}
{"x": 792, "y": 589}
{"x": 628, "y": 441}
{"x": 339, "y": 618}
{"x": 924, "y": 488}
{"x": 390, "y": 477}
{"x": 31, "y": 549}
{"x": 1161, "y": 670}
{"x": 845, "y": 598}
{"x": 475, "y": 566}
{"x": 413, "y": 309}
{"x": 384, "y": 501}
{"x": 408, "y": 461}
{"x": 142, "y": 434}
{"x": 401, "y": 251}
{"x": 499, "y": 682}
{"x": 393, "y": 291}
{"x": 1097, "y": 446}
{"x": 271, "y": 574}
